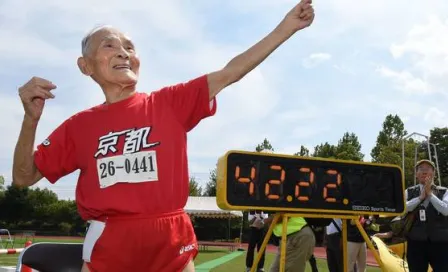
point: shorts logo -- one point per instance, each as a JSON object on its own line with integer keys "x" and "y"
{"x": 187, "y": 248}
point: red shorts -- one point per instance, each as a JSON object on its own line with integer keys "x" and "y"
{"x": 163, "y": 243}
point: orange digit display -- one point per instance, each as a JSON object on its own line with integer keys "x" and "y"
{"x": 333, "y": 186}
{"x": 246, "y": 179}
{"x": 304, "y": 184}
{"x": 279, "y": 182}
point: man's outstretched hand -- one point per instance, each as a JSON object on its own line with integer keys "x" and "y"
{"x": 299, "y": 17}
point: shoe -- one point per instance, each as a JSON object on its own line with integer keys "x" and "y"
{"x": 247, "y": 269}
{"x": 260, "y": 270}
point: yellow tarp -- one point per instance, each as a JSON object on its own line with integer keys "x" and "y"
{"x": 392, "y": 255}
{"x": 391, "y": 261}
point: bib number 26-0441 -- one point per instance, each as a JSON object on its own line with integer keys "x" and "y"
{"x": 129, "y": 168}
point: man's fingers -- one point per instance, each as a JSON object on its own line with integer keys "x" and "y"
{"x": 37, "y": 93}
{"x": 307, "y": 15}
{"x": 306, "y": 7}
{"x": 46, "y": 84}
{"x": 47, "y": 94}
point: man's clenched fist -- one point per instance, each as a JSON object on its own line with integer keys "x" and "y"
{"x": 33, "y": 95}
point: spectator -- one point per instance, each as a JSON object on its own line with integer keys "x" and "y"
{"x": 356, "y": 249}
{"x": 256, "y": 239}
{"x": 334, "y": 246}
{"x": 428, "y": 235}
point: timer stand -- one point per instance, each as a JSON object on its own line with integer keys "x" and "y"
{"x": 309, "y": 187}
{"x": 284, "y": 217}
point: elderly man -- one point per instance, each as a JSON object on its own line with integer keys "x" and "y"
{"x": 131, "y": 150}
{"x": 428, "y": 236}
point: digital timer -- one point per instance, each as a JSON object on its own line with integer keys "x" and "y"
{"x": 273, "y": 182}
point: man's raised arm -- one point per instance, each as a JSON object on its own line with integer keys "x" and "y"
{"x": 33, "y": 95}
{"x": 301, "y": 16}
{"x": 24, "y": 171}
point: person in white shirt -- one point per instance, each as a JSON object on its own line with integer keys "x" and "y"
{"x": 428, "y": 236}
{"x": 334, "y": 246}
{"x": 256, "y": 219}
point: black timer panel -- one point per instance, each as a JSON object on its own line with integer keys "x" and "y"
{"x": 295, "y": 182}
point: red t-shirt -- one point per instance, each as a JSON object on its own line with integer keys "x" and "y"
{"x": 132, "y": 155}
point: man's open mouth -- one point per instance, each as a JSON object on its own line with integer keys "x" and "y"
{"x": 122, "y": 67}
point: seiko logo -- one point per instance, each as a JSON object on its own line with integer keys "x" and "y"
{"x": 361, "y": 208}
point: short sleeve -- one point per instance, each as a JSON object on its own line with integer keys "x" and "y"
{"x": 190, "y": 101}
{"x": 55, "y": 157}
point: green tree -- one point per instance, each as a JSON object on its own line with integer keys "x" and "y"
{"x": 304, "y": 152}
{"x": 265, "y": 145}
{"x": 325, "y": 150}
{"x": 195, "y": 188}
{"x": 40, "y": 200}
{"x": 210, "y": 187}
{"x": 2, "y": 189}
{"x": 439, "y": 136}
{"x": 2, "y": 184}
{"x": 15, "y": 206}
{"x": 392, "y": 133}
{"x": 349, "y": 148}
{"x": 388, "y": 148}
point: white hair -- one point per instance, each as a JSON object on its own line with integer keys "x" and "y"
{"x": 85, "y": 43}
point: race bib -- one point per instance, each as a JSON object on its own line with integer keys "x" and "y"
{"x": 128, "y": 168}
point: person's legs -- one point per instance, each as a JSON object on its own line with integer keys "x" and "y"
{"x": 85, "y": 268}
{"x": 417, "y": 256}
{"x": 259, "y": 243}
{"x": 299, "y": 248}
{"x": 189, "y": 267}
{"x": 334, "y": 253}
{"x": 330, "y": 259}
{"x": 253, "y": 241}
{"x": 302, "y": 248}
{"x": 362, "y": 258}
{"x": 313, "y": 264}
{"x": 438, "y": 256}
{"x": 352, "y": 255}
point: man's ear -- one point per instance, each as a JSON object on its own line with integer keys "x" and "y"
{"x": 84, "y": 67}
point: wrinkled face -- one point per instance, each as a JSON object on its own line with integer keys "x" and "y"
{"x": 425, "y": 172}
{"x": 111, "y": 58}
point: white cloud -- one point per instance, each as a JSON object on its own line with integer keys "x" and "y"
{"x": 436, "y": 117}
{"x": 315, "y": 59}
{"x": 426, "y": 50}
{"x": 406, "y": 81}
{"x": 428, "y": 46}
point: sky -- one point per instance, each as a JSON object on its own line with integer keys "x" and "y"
{"x": 358, "y": 62}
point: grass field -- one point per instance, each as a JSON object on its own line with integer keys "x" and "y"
{"x": 234, "y": 265}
